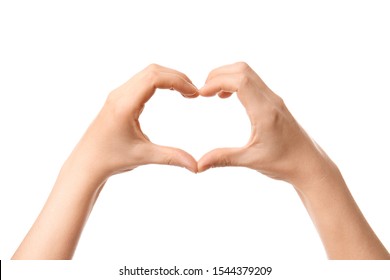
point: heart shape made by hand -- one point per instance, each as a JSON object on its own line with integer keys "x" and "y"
{"x": 194, "y": 125}
{"x": 276, "y": 146}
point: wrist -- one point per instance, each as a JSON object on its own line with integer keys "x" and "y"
{"x": 323, "y": 179}
{"x": 81, "y": 175}
{"x": 314, "y": 171}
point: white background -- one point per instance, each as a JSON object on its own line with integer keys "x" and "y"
{"x": 328, "y": 60}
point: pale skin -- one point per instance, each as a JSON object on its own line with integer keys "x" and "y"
{"x": 278, "y": 147}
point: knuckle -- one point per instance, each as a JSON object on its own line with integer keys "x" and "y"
{"x": 244, "y": 79}
{"x": 244, "y": 73}
{"x": 170, "y": 157}
{"x": 112, "y": 96}
{"x": 153, "y": 67}
{"x": 279, "y": 102}
{"x": 242, "y": 66}
{"x": 151, "y": 75}
{"x": 113, "y": 101}
{"x": 224, "y": 161}
{"x": 151, "y": 72}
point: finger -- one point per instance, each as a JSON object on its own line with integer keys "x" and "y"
{"x": 165, "y": 80}
{"x": 228, "y": 69}
{"x": 248, "y": 93}
{"x": 221, "y": 83}
{"x": 225, "y": 94}
{"x": 172, "y": 156}
{"x": 159, "y": 68}
{"x": 220, "y": 157}
{"x": 194, "y": 95}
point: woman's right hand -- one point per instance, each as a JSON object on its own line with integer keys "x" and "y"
{"x": 115, "y": 143}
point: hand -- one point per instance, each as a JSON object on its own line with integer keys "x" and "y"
{"x": 278, "y": 147}
{"x": 115, "y": 143}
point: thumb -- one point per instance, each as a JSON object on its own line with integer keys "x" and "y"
{"x": 173, "y": 156}
{"x": 220, "y": 157}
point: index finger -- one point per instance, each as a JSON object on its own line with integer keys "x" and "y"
{"x": 238, "y": 67}
{"x": 159, "y": 68}
{"x": 225, "y": 84}
{"x": 153, "y": 80}
{"x": 165, "y": 80}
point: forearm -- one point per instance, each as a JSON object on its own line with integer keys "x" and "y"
{"x": 56, "y": 231}
{"x": 113, "y": 143}
{"x": 279, "y": 148}
{"x": 342, "y": 227}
